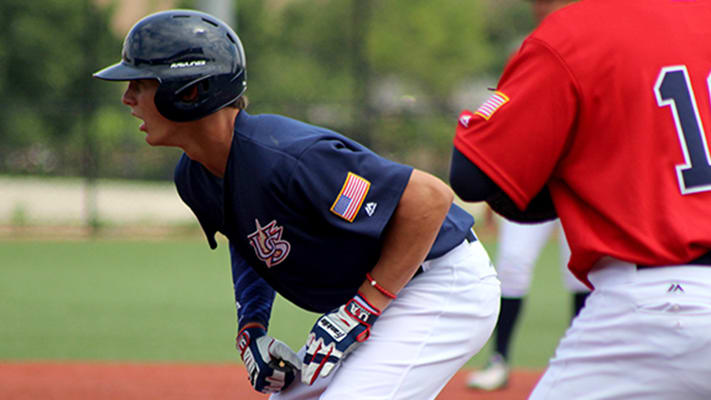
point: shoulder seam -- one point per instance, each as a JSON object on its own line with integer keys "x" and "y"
{"x": 561, "y": 60}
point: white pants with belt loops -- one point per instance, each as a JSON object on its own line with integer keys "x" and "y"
{"x": 439, "y": 320}
{"x": 643, "y": 334}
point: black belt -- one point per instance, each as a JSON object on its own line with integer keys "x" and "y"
{"x": 704, "y": 260}
{"x": 469, "y": 236}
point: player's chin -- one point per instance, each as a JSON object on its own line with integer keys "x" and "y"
{"x": 155, "y": 143}
{"x": 153, "y": 139}
{"x": 158, "y": 139}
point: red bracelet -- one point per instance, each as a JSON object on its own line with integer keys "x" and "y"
{"x": 381, "y": 289}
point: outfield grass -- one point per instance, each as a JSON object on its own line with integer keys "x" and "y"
{"x": 172, "y": 301}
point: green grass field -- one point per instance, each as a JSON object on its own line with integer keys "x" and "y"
{"x": 141, "y": 300}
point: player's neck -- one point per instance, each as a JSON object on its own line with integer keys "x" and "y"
{"x": 210, "y": 143}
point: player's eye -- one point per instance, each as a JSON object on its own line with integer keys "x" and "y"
{"x": 134, "y": 86}
{"x": 139, "y": 85}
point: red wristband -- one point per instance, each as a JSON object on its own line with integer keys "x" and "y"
{"x": 381, "y": 289}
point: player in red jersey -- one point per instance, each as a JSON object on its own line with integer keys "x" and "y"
{"x": 602, "y": 114}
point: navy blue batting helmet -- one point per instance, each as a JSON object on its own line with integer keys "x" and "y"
{"x": 187, "y": 52}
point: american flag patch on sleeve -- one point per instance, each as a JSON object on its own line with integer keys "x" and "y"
{"x": 351, "y": 198}
{"x": 492, "y": 104}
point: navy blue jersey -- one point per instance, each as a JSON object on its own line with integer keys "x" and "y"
{"x": 304, "y": 207}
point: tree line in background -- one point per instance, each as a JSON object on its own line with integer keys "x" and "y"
{"x": 392, "y": 74}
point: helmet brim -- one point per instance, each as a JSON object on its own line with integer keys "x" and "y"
{"x": 123, "y": 72}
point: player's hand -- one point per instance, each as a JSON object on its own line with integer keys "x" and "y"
{"x": 270, "y": 363}
{"x": 335, "y": 335}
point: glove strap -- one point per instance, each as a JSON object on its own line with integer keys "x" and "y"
{"x": 246, "y": 335}
{"x": 365, "y": 313}
{"x": 381, "y": 289}
{"x": 365, "y": 303}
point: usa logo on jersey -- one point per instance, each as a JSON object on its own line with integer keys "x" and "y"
{"x": 268, "y": 244}
{"x": 350, "y": 199}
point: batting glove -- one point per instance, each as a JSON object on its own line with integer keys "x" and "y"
{"x": 335, "y": 335}
{"x": 271, "y": 364}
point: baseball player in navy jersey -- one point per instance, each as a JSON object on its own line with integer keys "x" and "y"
{"x": 518, "y": 248}
{"x": 407, "y": 292}
{"x": 601, "y": 118}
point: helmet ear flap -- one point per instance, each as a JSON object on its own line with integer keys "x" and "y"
{"x": 183, "y": 101}
{"x": 180, "y": 101}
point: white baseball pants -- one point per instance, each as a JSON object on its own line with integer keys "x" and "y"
{"x": 439, "y": 320}
{"x": 643, "y": 334}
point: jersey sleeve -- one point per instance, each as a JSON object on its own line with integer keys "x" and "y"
{"x": 348, "y": 186}
{"x": 535, "y": 104}
{"x": 253, "y": 296}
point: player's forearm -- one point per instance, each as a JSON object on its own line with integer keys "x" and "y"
{"x": 410, "y": 235}
{"x": 253, "y": 296}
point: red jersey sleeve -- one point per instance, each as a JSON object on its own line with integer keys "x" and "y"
{"x": 535, "y": 104}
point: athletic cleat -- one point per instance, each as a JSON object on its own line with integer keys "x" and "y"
{"x": 494, "y": 376}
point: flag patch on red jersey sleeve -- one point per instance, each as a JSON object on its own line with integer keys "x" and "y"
{"x": 492, "y": 104}
{"x": 351, "y": 198}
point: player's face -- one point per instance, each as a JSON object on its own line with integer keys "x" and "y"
{"x": 139, "y": 96}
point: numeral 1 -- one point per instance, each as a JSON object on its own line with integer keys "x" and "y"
{"x": 673, "y": 89}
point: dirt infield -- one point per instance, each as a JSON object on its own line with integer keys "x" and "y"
{"x": 129, "y": 381}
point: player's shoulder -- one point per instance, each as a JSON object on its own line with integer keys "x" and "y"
{"x": 275, "y": 131}
{"x": 272, "y": 135}
{"x": 598, "y": 20}
{"x": 586, "y": 29}
{"x": 577, "y": 18}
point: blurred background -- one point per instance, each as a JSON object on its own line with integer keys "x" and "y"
{"x": 393, "y": 74}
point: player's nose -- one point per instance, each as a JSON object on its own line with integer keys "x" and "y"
{"x": 128, "y": 97}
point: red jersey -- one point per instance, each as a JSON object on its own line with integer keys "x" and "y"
{"x": 607, "y": 103}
